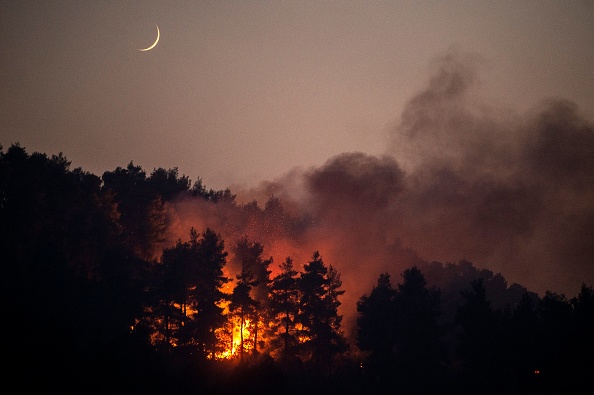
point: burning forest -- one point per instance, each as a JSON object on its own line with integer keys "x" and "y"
{"x": 442, "y": 265}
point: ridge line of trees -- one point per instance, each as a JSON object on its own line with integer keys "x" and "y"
{"x": 94, "y": 299}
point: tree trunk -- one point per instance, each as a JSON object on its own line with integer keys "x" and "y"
{"x": 241, "y": 336}
{"x": 255, "y": 350}
{"x": 287, "y": 335}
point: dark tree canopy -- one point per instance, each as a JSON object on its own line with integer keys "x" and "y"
{"x": 375, "y": 323}
{"x": 285, "y": 306}
{"x": 400, "y": 331}
{"x": 318, "y": 316}
{"x": 96, "y": 299}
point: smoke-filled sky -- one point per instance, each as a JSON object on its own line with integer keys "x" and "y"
{"x": 237, "y": 92}
{"x": 439, "y": 129}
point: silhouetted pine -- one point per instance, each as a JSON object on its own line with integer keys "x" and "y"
{"x": 208, "y": 293}
{"x": 243, "y": 305}
{"x": 320, "y": 331}
{"x": 285, "y": 307}
{"x": 376, "y": 329}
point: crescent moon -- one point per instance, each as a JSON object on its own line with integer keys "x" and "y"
{"x": 155, "y": 43}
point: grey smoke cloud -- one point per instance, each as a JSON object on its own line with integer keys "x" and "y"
{"x": 510, "y": 192}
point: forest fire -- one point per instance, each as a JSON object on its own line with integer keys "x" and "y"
{"x": 193, "y": 269}
{"x": 196, "y": 306}
{"x": 240, "y": 335}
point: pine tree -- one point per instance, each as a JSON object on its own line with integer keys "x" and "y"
{"x": 320, "y": 289}
{"x": 249, "y": 255}
{"x": 208, "y": 294}
{"x": 284, "y": 304}
{"x": 376, "y": 324}
{"x": 242, "y": 305}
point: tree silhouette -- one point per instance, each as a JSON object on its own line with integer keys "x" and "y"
{"x": 221, "y": 196}
{"x": 285, "y": 305}
{"x": 582, "y": 341}
{"x": 141, "y": 212}
{"x": 419, "y": 351}
{"x": 257, "y": 276}
{"x": 318, "y": 315}
{"x": 208, "y": 292}
{"x": 478, "y": 342}
{"x": 143, "y": 203}
{"x": 242, "y": 304}
{"x": 376, "y": 327}
{"x": 71, "y": 290}
{"x": 521, "y": 342}
{"x": 167, "y": 183}
{"x": 188, "y": 293}
{"x": 171, "y": 293}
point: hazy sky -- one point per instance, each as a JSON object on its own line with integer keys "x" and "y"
{"x": 452, "y": 129}
{"x": 237, "y": 92}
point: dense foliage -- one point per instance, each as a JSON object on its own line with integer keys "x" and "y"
{"x": 95, "y": 301}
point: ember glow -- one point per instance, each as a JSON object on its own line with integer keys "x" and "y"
{"x": 239, "y": 334}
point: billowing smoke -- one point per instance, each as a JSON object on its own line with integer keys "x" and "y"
{"x": 514, "y": 193}
{"x": 460, "y": 180}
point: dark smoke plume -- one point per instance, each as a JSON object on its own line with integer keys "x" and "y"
{"x": 513, "y": 193}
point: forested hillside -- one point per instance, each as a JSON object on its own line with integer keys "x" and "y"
{"x": 99, "y": 295}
